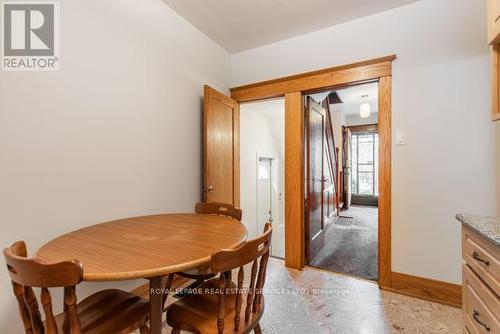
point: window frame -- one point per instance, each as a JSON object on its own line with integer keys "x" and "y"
{"x": 355, "y": 190}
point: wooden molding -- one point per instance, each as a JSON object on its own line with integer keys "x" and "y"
{"x": 309, "y": 81}
{"x": 293, "y": 87}
{"x": 493, "y": 26}
{"x": 364, "y": 128}
{"x": 294, "y": 180}
{"x": 495, "y": 82}
{"x": 236, "y": 155}
{"x": 427, "y": 289}
{"x": 384, "y": 201}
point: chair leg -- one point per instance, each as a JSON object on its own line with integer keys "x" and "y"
{"x": 257, "y": 329}
{"x": 167, "y": 287}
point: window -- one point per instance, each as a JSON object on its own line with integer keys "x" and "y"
{"x": 364, "y": 164}
{"x": 264, "y": 172}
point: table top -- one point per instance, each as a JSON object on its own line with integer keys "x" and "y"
{"x": 144, "y": 247}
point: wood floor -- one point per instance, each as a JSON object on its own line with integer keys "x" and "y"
{"x": 315, "y": 301}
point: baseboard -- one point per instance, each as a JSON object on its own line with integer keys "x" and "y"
{"x": 427, "y": 289}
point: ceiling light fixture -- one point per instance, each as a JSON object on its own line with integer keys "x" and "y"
{"x": 365, "y": 108}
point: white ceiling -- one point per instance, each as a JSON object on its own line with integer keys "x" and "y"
{"x": 238, "y": 25}
{"x": 352, "y": 98}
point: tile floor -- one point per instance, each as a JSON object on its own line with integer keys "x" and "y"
{"x": 315, "y": 301}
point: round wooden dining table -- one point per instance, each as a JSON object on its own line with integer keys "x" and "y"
{"x": 147, "y": 247}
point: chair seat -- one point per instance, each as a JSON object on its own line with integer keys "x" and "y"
{"x": 197, "y": 313}
{"x": 110, "y": 311}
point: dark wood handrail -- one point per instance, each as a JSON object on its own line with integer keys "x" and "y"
{"x": 332, "y": 151}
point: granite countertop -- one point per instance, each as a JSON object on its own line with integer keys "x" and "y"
{"x": 486, "y": 226}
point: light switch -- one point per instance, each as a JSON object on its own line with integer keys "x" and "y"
{"x": 400, "y": 138}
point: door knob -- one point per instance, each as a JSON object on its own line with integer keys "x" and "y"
{"x": 209, "y": 189}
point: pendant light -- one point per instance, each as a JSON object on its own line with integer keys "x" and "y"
{"x": 365, "y": 108}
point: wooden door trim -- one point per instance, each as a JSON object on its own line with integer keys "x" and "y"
{"x": 294, "y": 180}
{"x": 292, "y": 88}
{"x": 384, "y": 184}
{"x": 495, "y": 82}
{"x": 236, "y": 155}
{"x": 310, "y": 81}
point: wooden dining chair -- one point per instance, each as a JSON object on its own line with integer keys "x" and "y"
{"x": 107, "y": 311}
{"x": 202, "y": 273}
{"x": 221, "y": 209}
{"x": 223, "y": 306}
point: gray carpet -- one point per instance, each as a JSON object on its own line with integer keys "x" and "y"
{"x": 351, "y": 249}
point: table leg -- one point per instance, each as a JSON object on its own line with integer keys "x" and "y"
{"x": 155, "y": 304}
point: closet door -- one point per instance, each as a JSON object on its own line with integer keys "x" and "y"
{"x": 221, "y": 148}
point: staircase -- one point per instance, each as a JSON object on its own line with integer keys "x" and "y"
{"x": 332, "y": 151}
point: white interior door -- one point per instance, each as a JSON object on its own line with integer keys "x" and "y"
{"x": 270, "y": 203}
{"x": 264, "y": 193}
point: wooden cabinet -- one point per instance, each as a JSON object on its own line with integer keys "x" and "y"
{"x": 481, "y": 305}
{"x": 481, "y": 284}
{"x": 495, "y": 81}
{"x": 493, "y": 21}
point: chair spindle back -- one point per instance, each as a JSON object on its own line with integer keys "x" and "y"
{"x": 216, "y": 208}
{"x": 27, "y": 274}
{"x": 255, "y": 251}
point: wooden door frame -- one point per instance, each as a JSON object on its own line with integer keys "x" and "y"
{"x": 293, "y": 88}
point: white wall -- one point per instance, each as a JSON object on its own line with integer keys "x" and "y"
{"x": 261, "y": 132}
{"x": 497, "y": 164}
{"x": 440, "y": 99}
{"x": 114, "y": 133}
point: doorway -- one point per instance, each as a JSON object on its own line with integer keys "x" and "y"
{"x": 265, "y": 192}
{"x": 292, "y": 88}
{"x": 270, "y": 201}
{"x": 262, "y": 156}
{"x": 343, "y": 160}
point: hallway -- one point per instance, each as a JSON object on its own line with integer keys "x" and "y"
{"x": 352, "y": 248}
